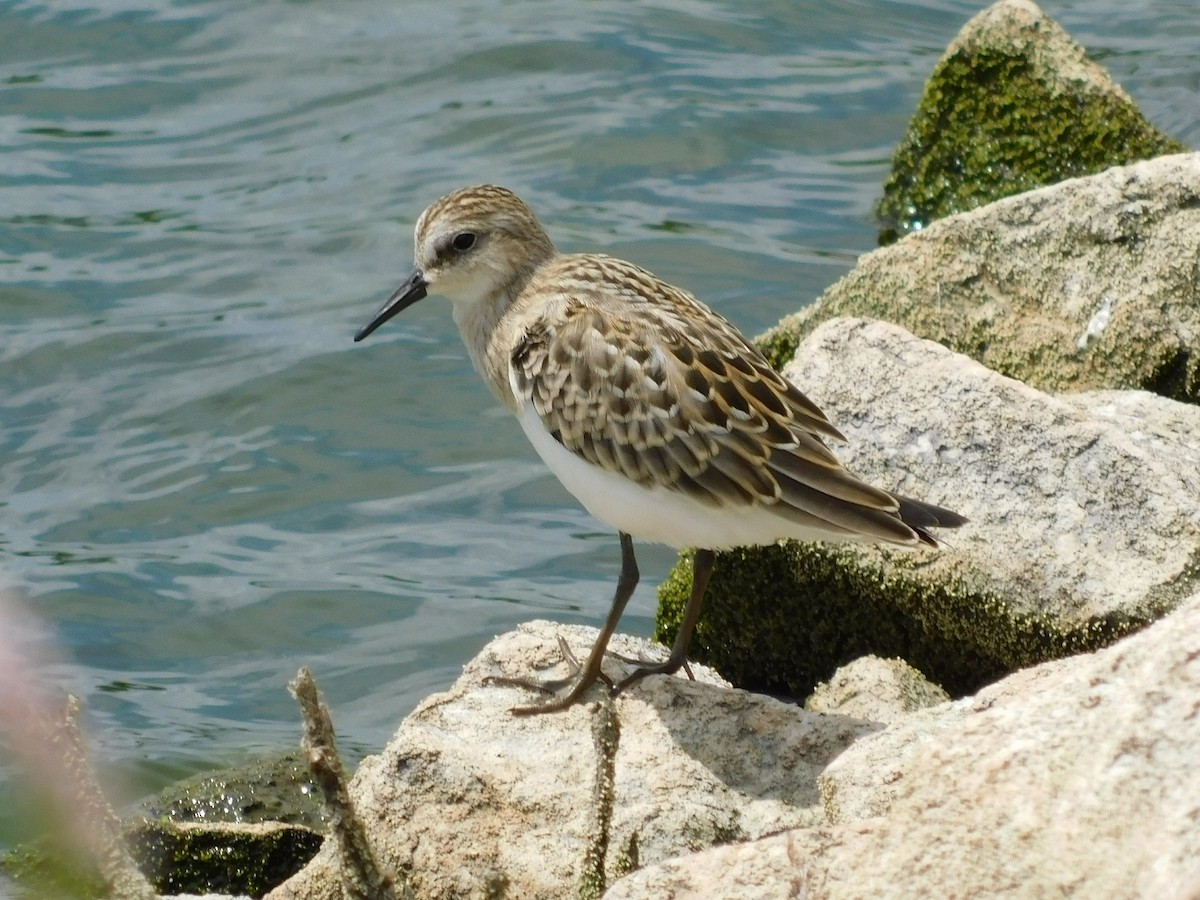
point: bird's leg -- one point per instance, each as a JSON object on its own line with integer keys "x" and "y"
{"x": 590, "y": 673}
{"x": 575, "y": 665}
{"x": 702, "y": 566}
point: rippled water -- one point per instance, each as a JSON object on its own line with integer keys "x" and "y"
{"x": 204, "y": 484}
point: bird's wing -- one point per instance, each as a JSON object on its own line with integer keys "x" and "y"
{"x": 669, "y": 394}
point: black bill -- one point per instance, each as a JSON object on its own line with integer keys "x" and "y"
{"x": 408, "y": 293}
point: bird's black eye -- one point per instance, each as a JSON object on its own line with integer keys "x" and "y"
{"x": 463, "y": 241}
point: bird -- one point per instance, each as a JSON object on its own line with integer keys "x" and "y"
{"x": 652, "y": 409}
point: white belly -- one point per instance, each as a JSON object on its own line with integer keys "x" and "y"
{"x": 659, "y": 514}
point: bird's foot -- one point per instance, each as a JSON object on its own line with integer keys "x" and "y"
{"x": 574, "y": 685}
{"x": 645, "y": 667}
{"x": 669, "y": 667}
{"x": 568, "y": 691}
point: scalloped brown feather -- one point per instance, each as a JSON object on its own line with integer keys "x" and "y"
{"x": 647, "y": 382}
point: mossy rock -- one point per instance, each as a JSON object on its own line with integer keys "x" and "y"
{"x": 226, "y": 858}
{"x": 189, "y": 858}
{"x": 1014, "y": 104}
{"x": 780, "y": 619}
{"x": 239, "y": 831}
{"x": 274, "y": 788}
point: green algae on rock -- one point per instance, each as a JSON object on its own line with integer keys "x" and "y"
{"x": 271, "y": 788}
{"x": 783, "y": 618}
{"x": 226, "y": 858}
{"x": 1014, "y": 104}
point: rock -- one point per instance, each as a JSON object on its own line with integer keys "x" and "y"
{"x": 235, "y": 858}
{"x": 271, "y": 788}
{"x": 1087, "y": 284}
{"x": 470, "y": 801}
{"x": 1013, "y": 104}
{"x": 1084, "y": 524}
{"x": 881, "y": 690}
{"x": 243, "y": 829}
{"x": 175, "y": 857}
{"x": 1077, "y": 777}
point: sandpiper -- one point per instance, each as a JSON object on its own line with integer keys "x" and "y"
{"x": 649, "y": 407}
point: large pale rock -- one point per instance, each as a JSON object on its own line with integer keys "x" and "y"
{"x": 1074, "y": 778}
{"x": 881, "y": 690}
{"x": 469, "y": 801}
{"x": 1084, "y": 524}
{"x": 1090, "y": 283}
{"x": 1083, "y": 507}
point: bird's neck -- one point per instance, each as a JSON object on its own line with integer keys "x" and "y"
{"x": 480, "y": 317}
{"x": 479, "y": 324}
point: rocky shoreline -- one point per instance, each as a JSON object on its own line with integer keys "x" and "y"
{"x": 1015, "y": 715}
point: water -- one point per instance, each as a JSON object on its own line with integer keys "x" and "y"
{"x": 204, "y": 484}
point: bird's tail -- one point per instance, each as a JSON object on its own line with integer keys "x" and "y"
{"x": 920, "y": 516}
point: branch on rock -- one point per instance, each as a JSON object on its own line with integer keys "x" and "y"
{"x": 362, "y": 879}
{"x": 96, "y": 825}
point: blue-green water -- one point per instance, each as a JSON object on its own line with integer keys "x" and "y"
{"x": 204, "y": 484}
